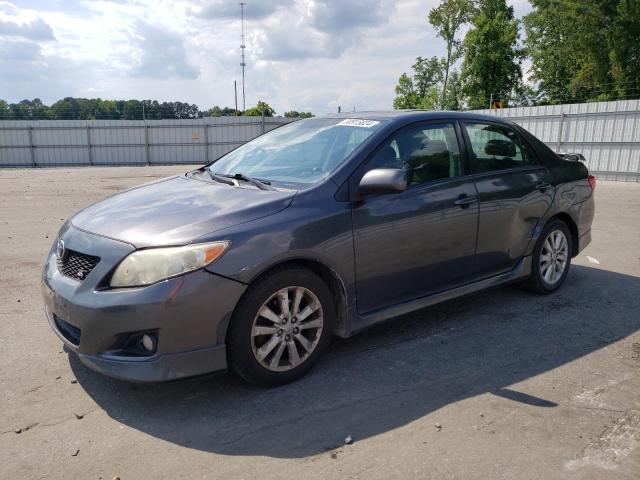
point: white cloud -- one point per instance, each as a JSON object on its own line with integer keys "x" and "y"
{"x": 332, "y": 16}
{"x": 301, "y": 54}
{"x": 8, "y": 8}
{"x": 318, "y": 29}
{"x": 163, "y": 54}
{"x": 35, "y": 30}
{"x": 216, "y": 9}
{"x": 28, "y": 73}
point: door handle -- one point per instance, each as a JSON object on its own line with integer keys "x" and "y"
{"x": 465, "y": 200}
{"x": 542, "y": 186}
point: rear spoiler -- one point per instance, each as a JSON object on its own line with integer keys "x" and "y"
{"x": 574, "y": 157}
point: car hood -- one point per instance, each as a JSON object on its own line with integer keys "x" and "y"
{"x": 177, "y": 210}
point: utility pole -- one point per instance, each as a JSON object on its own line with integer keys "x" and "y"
{"x": 242, "y": 47}
{"x": 235, "y": 93}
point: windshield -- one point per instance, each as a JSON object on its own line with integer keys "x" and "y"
{"x": 298, "y": 154}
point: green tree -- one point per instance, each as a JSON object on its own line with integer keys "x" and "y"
{"x": 39, "y": 110}
{"x": 132, "y": 110}
{"x": 151, "y": 110}
{"x": 447, "y": 19}
{"x": 625, "y": 49}
{"x": 406, "y": 96}
{"x": 549, "y": 44}
{"x": 526, "y": 96}
{"x": 90, "y": 108}
{"x": 168, "y": 110}
{"x": 214, "y": 111}
{"x": 229, "y": 112}
{"x": 259, "y": 108}
{"x": 107, "y": 110}
{"x": 296, "y": 114}
{"x": 428, "y": 74}
{"x": 491, "y": 65}
{"x": 66, "y": 109}
{"x": 217, "y": 111}
{"x": 5, "y": 112}
{"x": 25, "y": 110}
{"x": 185, "y": 110}
{"x": 426, "y": 89}
{"x": 71, "y": 108}
{"x": 592, "y": 42}
{"x": 584, "y": 50}
{"x": 452, "y": 94}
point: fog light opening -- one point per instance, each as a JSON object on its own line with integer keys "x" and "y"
{"x": 148, "y": 342}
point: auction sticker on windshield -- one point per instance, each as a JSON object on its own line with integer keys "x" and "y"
{"x": 356, "y": 122}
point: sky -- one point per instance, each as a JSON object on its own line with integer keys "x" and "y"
{"x": 305, "y": 55}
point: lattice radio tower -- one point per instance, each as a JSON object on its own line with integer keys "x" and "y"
{"x": 242, "y": 47}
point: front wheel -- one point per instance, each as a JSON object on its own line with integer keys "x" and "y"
{"x": 551, "y": 259}
{"x": 282, "y": 324}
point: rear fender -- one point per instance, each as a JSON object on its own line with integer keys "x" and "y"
{"x": 573, "y": 203}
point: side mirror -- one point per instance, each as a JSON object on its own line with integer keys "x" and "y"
{"x": 383, "y": 180}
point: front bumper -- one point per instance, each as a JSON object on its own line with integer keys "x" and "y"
{"x": 189, "y": 315}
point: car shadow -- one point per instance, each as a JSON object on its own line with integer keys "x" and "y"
{"x": 389, "y": 375}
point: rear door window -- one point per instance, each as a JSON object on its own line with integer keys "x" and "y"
{"x": 496, "y": 147}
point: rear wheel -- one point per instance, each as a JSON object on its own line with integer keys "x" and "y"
{"x": 282, "y": 325}
{"x": 551, "y": 259}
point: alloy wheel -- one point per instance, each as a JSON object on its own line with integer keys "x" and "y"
{"x": 554, "y": 256}
{"x": 287, "y": 328}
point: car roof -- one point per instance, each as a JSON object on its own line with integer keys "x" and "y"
{"x": 402, "y": 116}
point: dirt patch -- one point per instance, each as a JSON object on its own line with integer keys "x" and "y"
{"x": 614, "y": 443}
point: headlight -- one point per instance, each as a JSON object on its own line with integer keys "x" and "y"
{"x": 154, "y": 264}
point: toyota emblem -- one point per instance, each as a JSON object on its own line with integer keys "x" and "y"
{"x": 60, "y": 250}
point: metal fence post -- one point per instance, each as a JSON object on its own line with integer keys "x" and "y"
{"x": 146, "y": 142}
{"x": 89, "y": 144}
{"x": 562, "y": 115}
{"x": 33, "y": 154}
{"x": 206, "y": 142}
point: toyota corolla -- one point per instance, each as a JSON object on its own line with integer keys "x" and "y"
{"x": 322, "y": 227}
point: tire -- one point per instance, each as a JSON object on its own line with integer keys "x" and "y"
{"x": 548, "y": 275}
{"x": 264, "y": 345}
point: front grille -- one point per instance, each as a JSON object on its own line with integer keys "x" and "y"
{"x": 76, "y": 265}
{"x": 67, "y": 330}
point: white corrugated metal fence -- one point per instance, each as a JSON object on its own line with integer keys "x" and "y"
{"x": 606, "y": 133}
{"x": 50, "y": 143}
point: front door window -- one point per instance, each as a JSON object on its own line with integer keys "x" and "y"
{"x": 427, "y": 153}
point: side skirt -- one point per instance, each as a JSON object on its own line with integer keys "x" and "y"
{"x": 361, "y": 322}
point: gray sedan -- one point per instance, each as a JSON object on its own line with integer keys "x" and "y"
{"x": 322, "y": 227}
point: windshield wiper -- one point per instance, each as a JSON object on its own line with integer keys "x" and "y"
{"x": 220, "y": 178}
{"x": 261, "y": 184}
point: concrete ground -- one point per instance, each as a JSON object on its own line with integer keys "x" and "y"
{"x": 501, "y": 385}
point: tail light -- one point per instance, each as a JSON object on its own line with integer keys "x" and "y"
{"x": 592, "y": 182}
